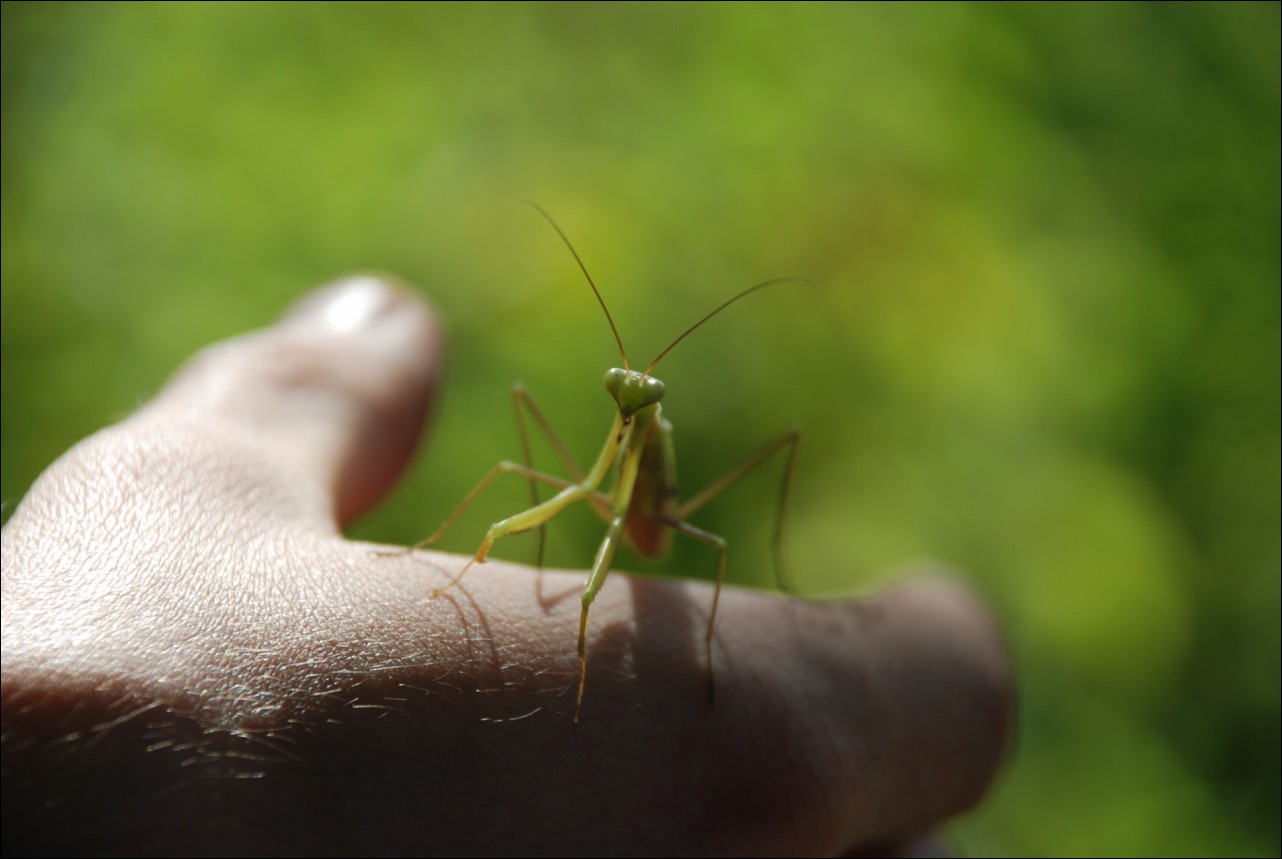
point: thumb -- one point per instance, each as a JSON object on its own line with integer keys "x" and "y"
{"x": 337, "y": 391}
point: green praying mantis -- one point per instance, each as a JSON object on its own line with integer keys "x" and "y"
{"x": 642, "y": 507}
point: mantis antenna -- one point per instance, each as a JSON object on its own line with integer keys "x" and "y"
{"x": 720, "y": 308}
{"x": 610, "y": 319}
{"x": 601, "y": 301}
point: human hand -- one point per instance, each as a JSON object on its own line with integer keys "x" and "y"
{"x": 196, "y": 661}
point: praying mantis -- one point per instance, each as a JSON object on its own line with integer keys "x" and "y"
{"x": 642, "y": 507}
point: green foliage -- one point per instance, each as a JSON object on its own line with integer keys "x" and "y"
{"x": 1044, "y": 346}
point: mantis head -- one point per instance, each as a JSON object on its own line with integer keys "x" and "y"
{"x": 632, "y": 391}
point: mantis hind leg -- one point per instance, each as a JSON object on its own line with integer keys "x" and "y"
{"x": 678, "y": 523}
{"x": 720, "y": 545}
{"x": 790, "y": 440}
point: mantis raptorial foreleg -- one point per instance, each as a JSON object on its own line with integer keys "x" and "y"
{"x": 600, "y": 569}
{"x": 521, "y": 397}
{"x": 504, "y": 467}
{"x": 539, "y": 514}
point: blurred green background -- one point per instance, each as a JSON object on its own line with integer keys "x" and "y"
{"x": 1043, "y": 345}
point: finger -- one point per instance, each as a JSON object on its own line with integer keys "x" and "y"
{"x": 837, "y": 727}
{"x": 923, "y": 686}
{"x": 851, "y": 724}
{"x": 337, "y": 391}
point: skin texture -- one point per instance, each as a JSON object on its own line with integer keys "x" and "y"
{"x": 196, "y": 661}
